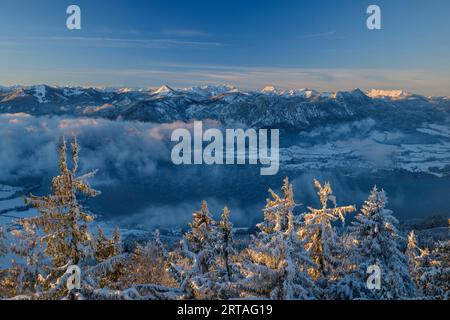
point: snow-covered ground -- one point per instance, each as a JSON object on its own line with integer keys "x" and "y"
{"x": 39, "y": 93}
{"x": 379, "y": 150}
{"x": 424, "y": 158}
{"x": 12, "y": 206}
{"x": 7, "y": 191}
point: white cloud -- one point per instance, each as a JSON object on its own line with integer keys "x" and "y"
{"x": 186, "y": 33}
{"x": 29, "y": 146}
{"x": 156, "y": 43}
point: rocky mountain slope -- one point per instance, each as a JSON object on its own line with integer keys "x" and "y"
{"x": 293, "y": 109}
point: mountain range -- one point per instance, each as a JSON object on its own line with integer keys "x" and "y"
{"x": 269, "y": 107}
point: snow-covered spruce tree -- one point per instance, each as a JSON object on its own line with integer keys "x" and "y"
{"x": 376, "y": 242}
{"x": 148, "y": 265}
{"x": 275, "y": 263}
{"x": 226, "y": 257}
{"x": 322, "y": 240}
{"x": 105, "y": 250}
{"x": 26, "y": 278}
{"x": 58, "y": 237}
{"x": 62, "y": 218}
{"x": 3, "y": 273}
{"x": 202, "y": 265}
{"x": 202, "y": 228}
{"x": 140, "y": 275}
{"x": 434, "y": 271}
{"x": 413, "y": 254}
{"x": 422, "y": 261}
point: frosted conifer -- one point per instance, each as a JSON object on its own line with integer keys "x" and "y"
{"x": 58, "y": 237}
{"x": 321, "y": 238}
{"x": 203, "y": 265}
{"x": 376, "y": 242}
{"x": 275, "y": 264}
{"x": 413, "y": 253}
{"x": 434, "y": 271}
{"x": 105, "y": 248}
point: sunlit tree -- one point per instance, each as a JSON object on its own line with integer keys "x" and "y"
{"x": 320, "y": 236}
{"x": 58, "y": 237}
{"x": 203, "y": 263}
{"x": 434, "y": 271}
{"x": 275, "y": 263}
{"x": 377, "y": 243}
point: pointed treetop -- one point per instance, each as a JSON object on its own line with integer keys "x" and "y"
{"x": 412, "y": 241}
{"x": 225, "y": 214}
{"x": 325, "y": 193}
{"x": 376, "y": 202}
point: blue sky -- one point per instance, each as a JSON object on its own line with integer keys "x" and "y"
{"x": 249, "y": 43}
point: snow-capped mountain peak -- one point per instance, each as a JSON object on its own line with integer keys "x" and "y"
{"x": 304, "y": 92}
{"x": 358, "y": 93}
{"x": 392, "y": 94}
{"x": 164, "y": 90}
{"x": 352, "y": 94}
{"x": 124, "y": 90}
{"x": 270, "y": 90}
{"x": 296, "y": 108}
{"x": 211, "y": 90}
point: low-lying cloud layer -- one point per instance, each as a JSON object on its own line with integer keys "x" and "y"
{"x": 141, "y": 186}
{"x": 28, "y": 146}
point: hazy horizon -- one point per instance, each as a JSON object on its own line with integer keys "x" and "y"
{"x": 245, "y": 89}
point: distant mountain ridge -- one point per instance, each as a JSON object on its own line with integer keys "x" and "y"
{"x": 269, "y": 107}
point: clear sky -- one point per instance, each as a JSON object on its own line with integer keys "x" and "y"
{"x": 248, "y": 43}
